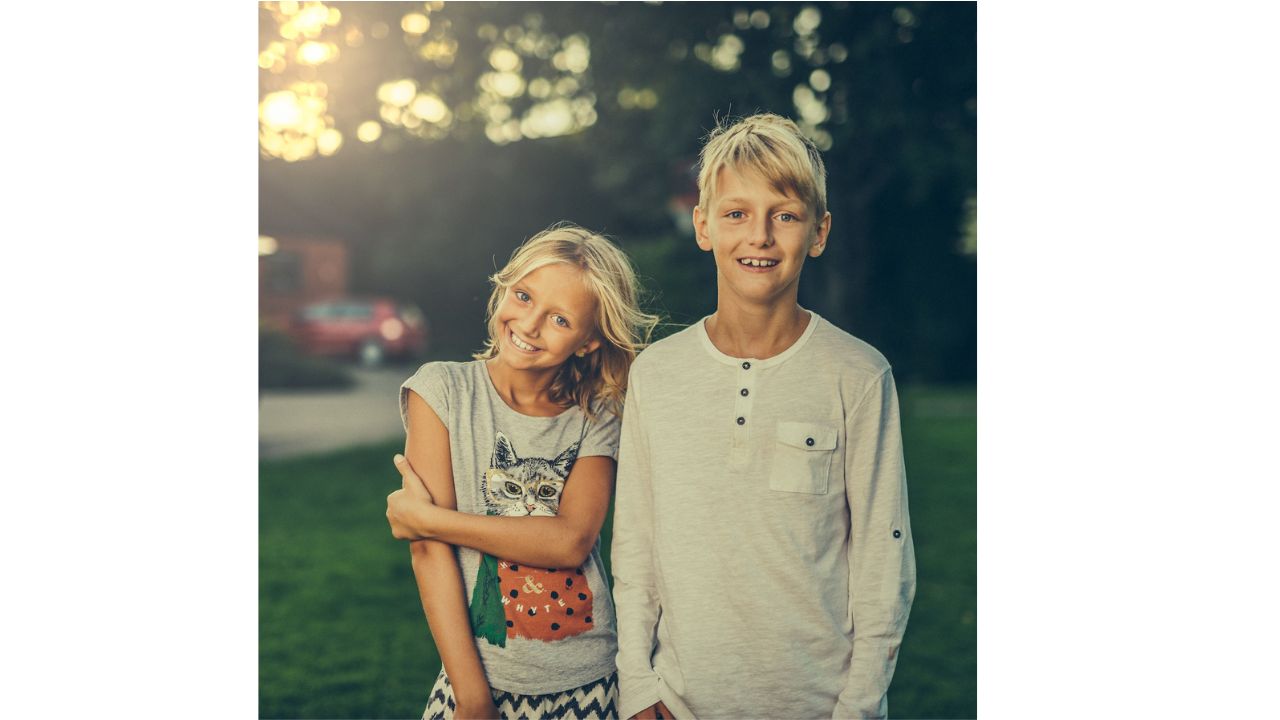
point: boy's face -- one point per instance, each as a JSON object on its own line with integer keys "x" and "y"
{"x": 759, "y": 237}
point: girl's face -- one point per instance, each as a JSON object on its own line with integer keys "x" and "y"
{"x": 545, "y": 317}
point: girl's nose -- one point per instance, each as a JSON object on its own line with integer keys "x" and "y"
{"x": 528, "y": 325}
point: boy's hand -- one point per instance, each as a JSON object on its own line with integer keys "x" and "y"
{"x": 657, "y": 711}
{"x": 407, "y": 508}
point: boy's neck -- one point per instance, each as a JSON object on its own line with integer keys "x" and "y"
{"x": 756, "y": 332}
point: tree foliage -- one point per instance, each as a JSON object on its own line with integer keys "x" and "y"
{"x": 888, "y": 90}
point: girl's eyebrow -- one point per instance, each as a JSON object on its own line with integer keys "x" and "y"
{"x": 554, "y": 308}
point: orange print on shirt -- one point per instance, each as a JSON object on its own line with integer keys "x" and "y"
{"x": 543, "y": 604}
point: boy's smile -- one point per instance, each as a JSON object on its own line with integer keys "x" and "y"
{"x": 759, "y": 236}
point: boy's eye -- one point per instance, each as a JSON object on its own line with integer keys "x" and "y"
{"x": 787, "y": 217}
{"x": 735, "y": 214}
{"x": 522, "y": 296}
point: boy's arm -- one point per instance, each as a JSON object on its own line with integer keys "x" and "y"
{"x": 436, "y": 568}
{"x": 563, "y": 541}
{"x": 882, "y": 564}
{"x": 634, "y": 588}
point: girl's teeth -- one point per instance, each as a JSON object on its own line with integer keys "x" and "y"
{"x": 523, "y": 346}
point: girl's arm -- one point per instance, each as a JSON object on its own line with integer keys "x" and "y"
{"x": 436, "y": 569}
{"x": 563, "y": 541}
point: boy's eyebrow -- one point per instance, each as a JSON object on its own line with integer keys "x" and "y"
{"x": 737, "y": 200}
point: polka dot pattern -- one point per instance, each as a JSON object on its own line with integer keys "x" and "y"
{"x": 544, "y": 604}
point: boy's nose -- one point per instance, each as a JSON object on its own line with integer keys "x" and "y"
{"x": 759, "y": 235}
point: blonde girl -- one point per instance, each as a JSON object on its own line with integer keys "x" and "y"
{"x": 508, "y": 470}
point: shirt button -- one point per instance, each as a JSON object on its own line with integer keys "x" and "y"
{"x": 808, "y": 441}
{"x": 744, "y": 392}
{"x": 897, "y": 533}
{"x": 742, "y": 421}
{"x": 746, "y": 366}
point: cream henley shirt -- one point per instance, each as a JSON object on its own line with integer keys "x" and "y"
{"x": 762, "y": 551}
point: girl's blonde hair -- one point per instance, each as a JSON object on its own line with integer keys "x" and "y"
{"x": 623, "y": 328}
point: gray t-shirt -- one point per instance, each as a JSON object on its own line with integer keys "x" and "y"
{"x": 538, "y": 630}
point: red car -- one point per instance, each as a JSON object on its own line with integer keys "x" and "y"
{"x": 369, "y": 330}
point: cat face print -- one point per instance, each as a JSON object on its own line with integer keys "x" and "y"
{"x": 516, "y": 486}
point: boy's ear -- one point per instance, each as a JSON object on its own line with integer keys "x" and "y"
{"x": 700, "y": 229}
{"x": 820, "y": 236}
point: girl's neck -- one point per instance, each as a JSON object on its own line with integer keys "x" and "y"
{"x": 756, "y": 332}
{"x": 526, "y": 391}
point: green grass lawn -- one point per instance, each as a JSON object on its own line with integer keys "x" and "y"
{"x": 342, "y": 635}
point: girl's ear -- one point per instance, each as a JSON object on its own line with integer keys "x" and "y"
{"x": 592, "y": 345}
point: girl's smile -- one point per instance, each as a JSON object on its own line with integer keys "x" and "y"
{"x": 521, "y": 345}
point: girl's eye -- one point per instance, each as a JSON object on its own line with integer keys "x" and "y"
{"x": 559, "y": 320}
{"x": 522, "y": 296}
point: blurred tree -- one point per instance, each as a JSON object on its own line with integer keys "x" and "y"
{"x": 442, "y": 135}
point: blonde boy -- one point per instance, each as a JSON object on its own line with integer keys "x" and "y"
{"x": 762, "y": 549}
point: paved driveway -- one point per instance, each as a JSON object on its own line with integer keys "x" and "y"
{"x": 301, "y": 422}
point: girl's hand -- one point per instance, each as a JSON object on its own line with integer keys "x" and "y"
{"x": 409, "y": 508}
{"x": 482, "y": 708}
{"x": 409, "y": 478}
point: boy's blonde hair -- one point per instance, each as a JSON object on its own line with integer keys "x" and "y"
{"x": 772, "y": 146}
{"x": 623, "y": 328}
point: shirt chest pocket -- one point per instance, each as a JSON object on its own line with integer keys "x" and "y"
{"x": 802, "y": 457}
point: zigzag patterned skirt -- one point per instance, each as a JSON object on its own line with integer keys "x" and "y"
{"x": 594, "y": 700}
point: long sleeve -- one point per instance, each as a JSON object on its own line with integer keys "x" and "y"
{"x": 882, "y": 564}
{"x": 635, "y": 592}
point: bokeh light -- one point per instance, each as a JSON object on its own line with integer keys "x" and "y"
{"x": 415, "y": 23}
{"x": 369, "y": 131}
{"x": 820, "y": 80}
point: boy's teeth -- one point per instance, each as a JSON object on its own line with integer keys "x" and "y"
{"x": 758, "y": 263}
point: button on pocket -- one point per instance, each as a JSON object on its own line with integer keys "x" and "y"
{"x": 802, "y": 457}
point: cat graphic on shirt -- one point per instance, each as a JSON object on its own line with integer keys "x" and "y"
{"x": 520, "y": 601}
{"x": 516, "y": 487}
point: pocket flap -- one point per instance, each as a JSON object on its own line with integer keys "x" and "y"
{"x": 807, "y": 436}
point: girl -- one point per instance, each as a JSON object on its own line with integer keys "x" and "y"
{"x": 522, "y": 442}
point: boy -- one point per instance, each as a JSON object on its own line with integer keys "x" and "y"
{"x": 762, "y": 549}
